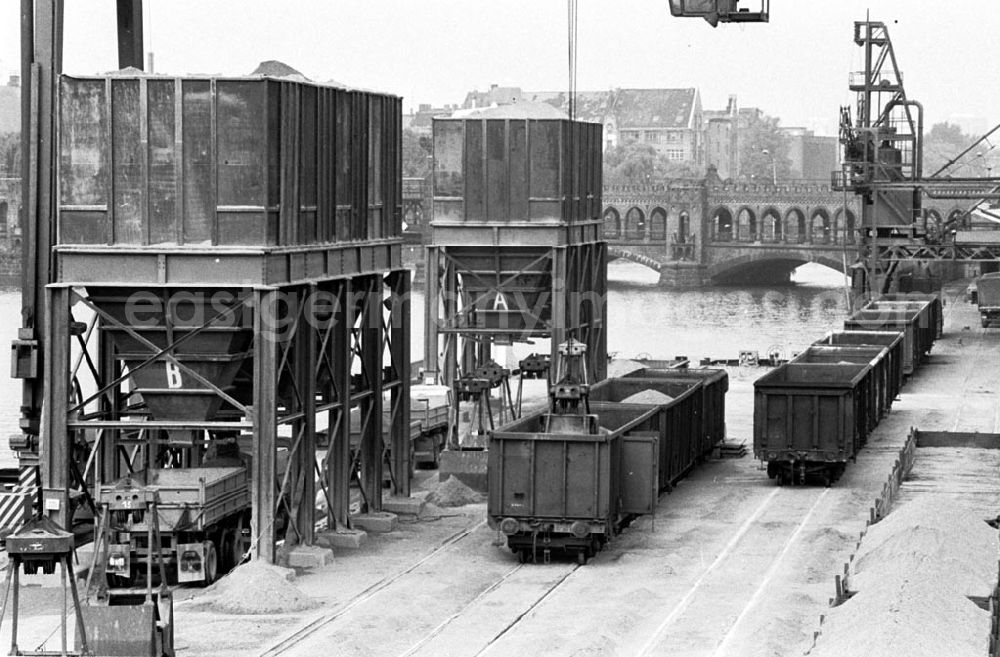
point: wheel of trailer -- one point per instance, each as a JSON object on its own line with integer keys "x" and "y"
{"x": 582, "y": 555}
{"x": 211, "y": 563}
{"x": 237, "y": 549}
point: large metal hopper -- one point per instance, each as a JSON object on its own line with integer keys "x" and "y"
{"x": 206, "y": 355}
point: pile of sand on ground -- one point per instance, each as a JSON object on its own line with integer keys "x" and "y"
{"x": 622, "y": 367}
{"x": 912, "y": 576}
{"x": 452, "y": 492}
{"x": 929, "y": 538}
{"x": 912, "y": 620}
{"x": 648, "y": 397}
{"x": 258, "y": 588}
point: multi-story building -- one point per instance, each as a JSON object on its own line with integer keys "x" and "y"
{"x": 811, "y": 157}
{"x": 669, "y": 120}
{"x": 722, "y": 144}
{"x": 420, "y": 120}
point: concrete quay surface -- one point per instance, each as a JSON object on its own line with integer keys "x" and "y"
{"x": 730, "y": 564}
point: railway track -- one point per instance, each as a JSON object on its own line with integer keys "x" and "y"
{"x": 287, "y": 645}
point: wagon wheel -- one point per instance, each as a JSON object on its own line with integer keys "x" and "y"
{"x": 237, "y": 549}
{"x": 582, "y": 556}
{"x": 211, "y": 563}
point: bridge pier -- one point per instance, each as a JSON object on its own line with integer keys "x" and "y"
{"x": 683, "y": 274}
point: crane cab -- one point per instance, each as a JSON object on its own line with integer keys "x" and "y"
{"x": 720, "y": 11}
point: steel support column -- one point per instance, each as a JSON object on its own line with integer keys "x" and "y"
{"x": 303, "y": 475}
{"x": 339, "y": 463}
{"x": 399, "y": 355}
{"x": 432, "y": 306}
{"x": 56, "y": 449}
{"x": 130, "y": 50}
{"x": 370, "y": 342}
{"x": 265, "y": 428}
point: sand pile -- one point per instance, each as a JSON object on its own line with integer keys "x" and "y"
{"x": 452, "y": 492}
{"x": 258, "y": 588}
{"x": 648, "y": 397}
{"x": 912, "y": 575}
{"x": 930, "y": 539}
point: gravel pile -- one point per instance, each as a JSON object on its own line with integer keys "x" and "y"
{"x": 258, "y": 588}
{"x": 452, "y": 492}
{"x": 648, "y": 397}
{"x": 912, "y": 575}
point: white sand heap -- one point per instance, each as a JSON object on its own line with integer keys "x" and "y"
{"x": 648, "y": 397}
{"x": 258, "y": 588}
{"x": 912, "y": 575}
{"x": 452, "y": 492}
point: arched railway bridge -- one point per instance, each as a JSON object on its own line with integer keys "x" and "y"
{"x": 698, "y": 233}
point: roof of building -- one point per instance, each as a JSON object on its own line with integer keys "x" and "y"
{"x": 590, "y": 105}
{"x": 655, "y": 108}
{"x": 522, "y": 110}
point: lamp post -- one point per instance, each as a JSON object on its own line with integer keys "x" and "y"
{"x": 774, "y": 167}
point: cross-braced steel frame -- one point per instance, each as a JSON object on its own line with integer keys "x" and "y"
{"x": 323, "y": 374}
{"x": 482, "y": 296}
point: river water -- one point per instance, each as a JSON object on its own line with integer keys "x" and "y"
{"x": 643, "y": 320}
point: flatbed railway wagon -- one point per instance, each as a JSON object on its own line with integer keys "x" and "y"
{"x": 204, "y": 524}
{"x": 569, "y": 483}
{"x": 714, "y": 386}
{"x": 679, "y": 425}
{"x": 810, "y": 419}
{"x": 878, "y": 377}
{"x": 891, "y": 341}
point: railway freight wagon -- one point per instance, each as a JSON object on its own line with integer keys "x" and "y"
{"x": 714, "y": 386}
{"x": 935, "y": 307}
{"x": 918, "y": 332}
{"x": 877, "y": 377}
{"x": 679, "y": 423}
{"x": 891, "y": 341}
{"x": 568, "y": 483}
{"x": 811, "y": 419}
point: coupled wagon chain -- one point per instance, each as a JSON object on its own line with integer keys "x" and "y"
{"x": 289, "y": 642}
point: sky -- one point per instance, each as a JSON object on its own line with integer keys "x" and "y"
{"x": 434, "y": 51}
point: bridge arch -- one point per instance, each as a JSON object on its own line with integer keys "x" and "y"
{"x": 769, "y": 265}
{"x": 849, "y": 225}
{"x": 746, "y": 225}
{"x": 658, "y": 224}
{"x": 635, "y": 223}
{"x": 772, "y": 228}
{"x": 612, "y": 222}
{"x": 821, "y": 227}
{"x": 722, "y": 224}
{"x": 795, "y": 221}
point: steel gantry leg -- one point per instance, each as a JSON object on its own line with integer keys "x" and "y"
{"x": 56, "y": 449}
{"x": 339, "y": 462}
{"x": 265, "y": 427}
{"x": 370, "y": 345}
{"x": 399, "y": 357}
